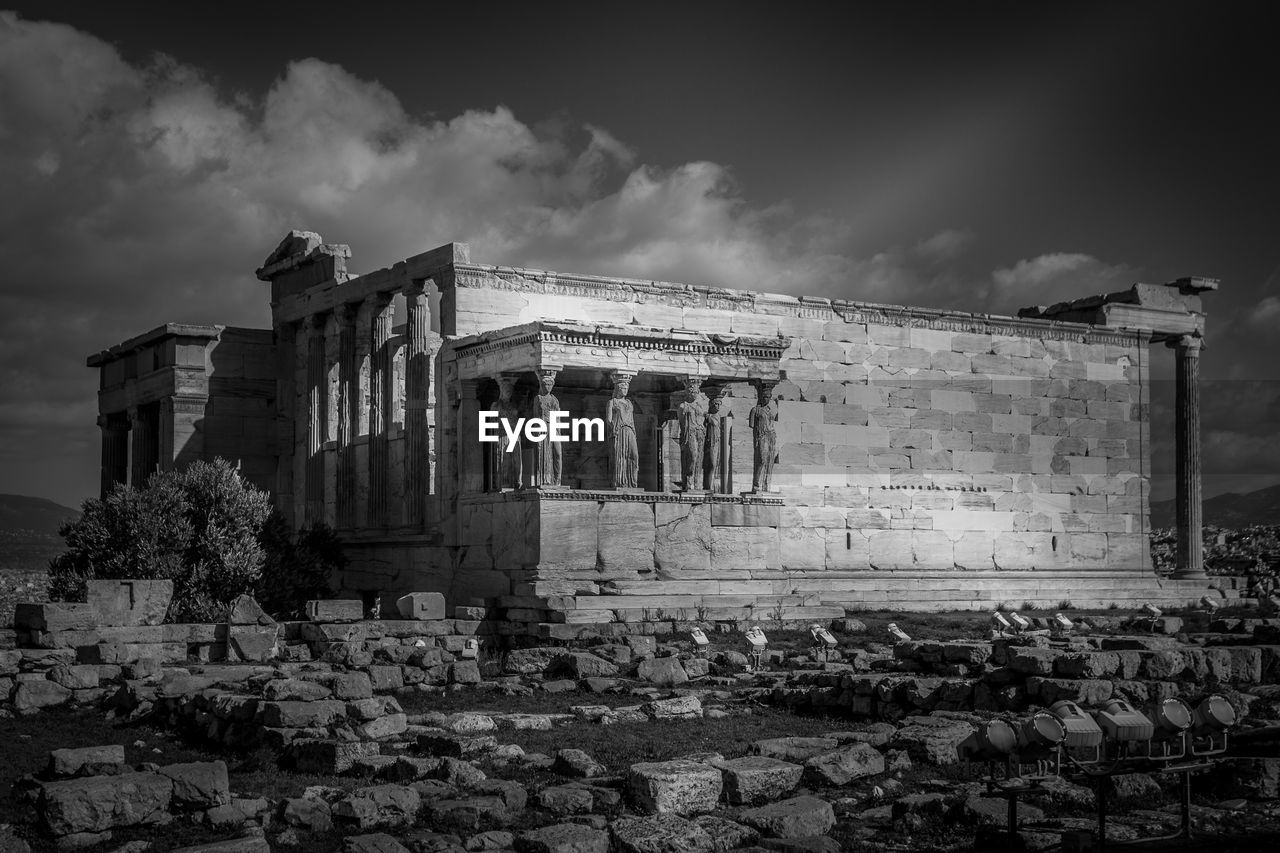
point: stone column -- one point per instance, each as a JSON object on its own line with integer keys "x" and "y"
{"x": 1190, "y": 545}
{"x": 416, "y": 393}
{"x": 143, "y": 463}
{"x": 380, "y": 396}
{"x": 317, "y": 398}
{"x": 348, "y": 418}
{"x": 115, "y": 451}
{"x": 286, "y": 394}
{"x": 470, "y": 462}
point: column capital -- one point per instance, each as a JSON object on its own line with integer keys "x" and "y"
{"x": 1189, "y": 345}
{"x": 346, "y": 312}
{"x": 506, "y": 383}
{"x": 379, "y": 300}
{"x": 414, "y": 288}
{"x": 135, "y": 414}
{"x": 620, "y": 376}
{"x": 316, "y": 323}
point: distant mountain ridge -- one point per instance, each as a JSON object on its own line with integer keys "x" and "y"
{"x": 1228, "y": 510}
{"x": 33, "y": 515}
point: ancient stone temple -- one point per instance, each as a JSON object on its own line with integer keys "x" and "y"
{"x": 763, "y": 456}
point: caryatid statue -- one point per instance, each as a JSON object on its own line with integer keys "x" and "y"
{"x": 765, "y": 440}
{"x": 691, "y": 415}
{"x": 711, "y": 459}
{"x": 620, "y": 422}
{"x": 507, "y": 464}
{"x": 549, "y": 456}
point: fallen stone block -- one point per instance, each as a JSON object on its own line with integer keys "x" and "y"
{"x": 388, "y": 726}
{"x": 251, "y": 643}
{"x": 666, "y": 672}
{"x": 843, "y": 765}
{"x": 30, "y": 696}
{"x": 661, "y": 834}
{"x": 932, "y": 740}
{"x": 757, "y": 779}
{"x": 531, "y": 661}
{"x": 563, "y": 838}
{"x": 421, "y": 605}
{"x": 302, "y": 715}
{"x": 351, "y": 685}
{"x": 449, "y": 745}
{"x": 674, "y": 787}
{"x": 245, "y": 844}
{"x": 583, "y": 665}
{"x": 328, "y": 756}
{"x": 55, "y": 616}
{"x": 795, "y": 818}
{"x": 578, "y": 764}
{"x": 294, "y": 690}
{"x": 566, "y": 799}
{"x": 129, "y": 601}
{"x": 76, "y": 677}
{"x": 676, "y": 708}
{"x": 199, "y": 784}
{"x": 335, "y": 610}
{"x": 100, "y": 803}
{"x": 793, "y": 748}
{"x": 379, "y": 805}
{"x": 105, "y": 760}
{"x": 378, "y": 842}
{"x": 245, "y": 610}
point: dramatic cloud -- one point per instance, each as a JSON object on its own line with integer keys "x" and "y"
{"x": 1057, "y": 277}
{"x": 140, "y": 194}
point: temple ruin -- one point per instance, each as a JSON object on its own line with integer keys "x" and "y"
{"x": 768, "y": 456}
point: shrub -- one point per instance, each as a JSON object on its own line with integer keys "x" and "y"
{"x": 213, "y": 534}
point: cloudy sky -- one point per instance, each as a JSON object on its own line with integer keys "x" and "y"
{"x": 979, "y": 156}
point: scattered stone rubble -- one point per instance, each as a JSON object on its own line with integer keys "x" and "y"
{"x": 328, "y": 700}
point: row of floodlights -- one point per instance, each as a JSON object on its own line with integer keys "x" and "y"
{"x": 1171, "y": 729}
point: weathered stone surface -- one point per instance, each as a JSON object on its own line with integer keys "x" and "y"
{"x": 531, "y": 661}
{"x": 446, "y": 744}
{"x": 335, "y": 610}
{"x": 82, "y": 677}
{"x": 328, "y": 756}
{"x": 386, "y": 678}
{"x": 351, "y": 685}
{"x": 676, "y": 708}
{"x": 663, "y": 671}
{"x": 932, "y": 740}
{"x": 303, "y": 715}
{"x": 575, "y": 762}
{"x": 793, "y": 748}
{"x": 251, "y": 643}
{"x": 100, "y": 803}
{"x": 378, "y": 842}
{"x": 129, "y": 602}
{"x": 199, "y": 784}
{"x": 795, "y": 818}
{"x": 583, "y": 665}
{"x": 992, "y": 811}
{"x": 378, "y": 805}
{"x": 31, "y": 696}
{"x": 55, "y": 616}
{"x": 674, "y": 787}
{"x": 660, "y": 834}
{"x": 246, "y": 844}
{"x": 294, "y": 690}
{"x": 756, "y": 779}
{"x": 87, "y": 761}
{"x": 244, "y": 610}
{"x": 565, "y": 799}
{"x": 563, "y": 838}
{"x": 843, "y": 765}
{"x": 421, "y": 605}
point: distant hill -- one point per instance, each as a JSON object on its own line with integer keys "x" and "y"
{"x": 33, "y": 515}
{"x": 1229, "y": 510}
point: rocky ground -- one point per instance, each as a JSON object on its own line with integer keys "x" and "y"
{"x": 641, "y": 745}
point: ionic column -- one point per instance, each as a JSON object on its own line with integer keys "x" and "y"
{"x": 317, "y": 399}
{"x": 1190, "y": 545}
{"x": 380, "y": 396}
{"x": 115, "y": 451}
{"x": 348, "y": 400}
{"x": 416, "y": 391}
{"x": 143, "y": 463}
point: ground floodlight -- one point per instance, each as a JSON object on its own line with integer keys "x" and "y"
{"x": 994, "y": 740}
{"x": 822, "y": 637}
{"x": 1082, "y": 730}
{"x": 756, "y": 638}
{"x": 1121, "y": 722}
{"x": 699, "y": 637}
{"x": 897, "y": 633}
{"x": 1062, "y": 623}
{"x": 1041, "y": 730}
{"x": 1152, "y": 611}
{"x": 1172, "y": 717}
{"x": 1000, "y": 622}
{"x": 470, "y": 649}
{"x": 1213, "y": 715}
{"x": 1209, "y": 604}
{"x": 1020, "y": 622}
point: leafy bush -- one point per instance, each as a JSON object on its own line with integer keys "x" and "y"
{"x": 213, "y": 534}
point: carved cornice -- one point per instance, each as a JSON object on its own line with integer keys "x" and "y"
{"x": 803, "y": 307}
{"x": 625, "y": 337}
